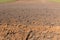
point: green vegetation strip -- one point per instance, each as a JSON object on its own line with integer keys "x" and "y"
{"x": 3, "y": 1}
{"x": 54, "y": 0}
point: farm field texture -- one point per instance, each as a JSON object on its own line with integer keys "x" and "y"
{"x": 30, "y": 20}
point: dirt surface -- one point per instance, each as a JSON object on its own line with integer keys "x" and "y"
{"x": 36, "y": 20}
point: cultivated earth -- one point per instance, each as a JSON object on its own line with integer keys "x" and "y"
{"x": 30, "y": 20}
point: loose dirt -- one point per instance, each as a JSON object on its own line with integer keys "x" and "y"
{"x": 30, "y": 20}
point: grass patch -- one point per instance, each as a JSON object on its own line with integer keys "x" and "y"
{"x": 54, "y": 0}
{"x": 3, "y": 1}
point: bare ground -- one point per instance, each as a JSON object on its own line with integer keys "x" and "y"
{"x": 30, "y": 21}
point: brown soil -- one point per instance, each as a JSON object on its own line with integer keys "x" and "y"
{"x": 29, "y": 21}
